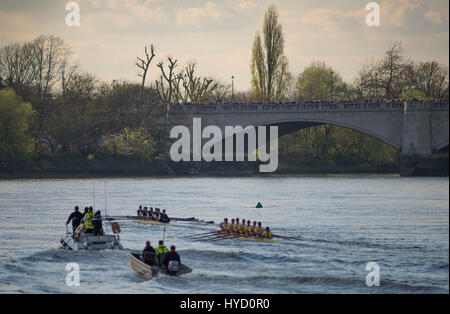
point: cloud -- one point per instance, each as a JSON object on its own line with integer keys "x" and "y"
{"x": 197, "y": 17}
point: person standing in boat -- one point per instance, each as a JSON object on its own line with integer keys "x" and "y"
{"x": 88, "y": 217}
{"x": 97, "y": 223}
{"x": 161, "y": 252}
{"x": 172, "y": 261}
{"x": 76, "y": 218}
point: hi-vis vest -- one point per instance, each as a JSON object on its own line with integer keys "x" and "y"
{"x": 161, "y": 250}
{"x": 88, "y": 217}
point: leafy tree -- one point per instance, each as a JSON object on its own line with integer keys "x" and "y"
{"x": 269, "y": 65}
{"x": 15, "y": 119}
{"x": 318, "y": 82}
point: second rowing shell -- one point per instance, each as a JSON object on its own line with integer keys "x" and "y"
{"x": 251, "y": 239}
{"x": 151, "y": 222}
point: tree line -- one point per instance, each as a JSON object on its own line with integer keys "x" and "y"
{"x": 50, "y": 107}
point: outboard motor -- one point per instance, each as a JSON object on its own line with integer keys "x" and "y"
{"x": 173, "y": 267}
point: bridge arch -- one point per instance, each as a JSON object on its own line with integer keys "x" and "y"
{"x": 315, "y": 122}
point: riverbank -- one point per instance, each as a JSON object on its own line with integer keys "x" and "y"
{"x": 289, "y": 164}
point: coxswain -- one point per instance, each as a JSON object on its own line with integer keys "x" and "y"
{"x": 161, "y": 249}
{"x": 259, "y": 230}
{"x": 267, "y": 234}
{"x": 172, "y": 261}
{"x": 76, "y": 218}
{"x": 163, "y": 217}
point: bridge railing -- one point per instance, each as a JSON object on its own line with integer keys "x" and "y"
{"x": 308, "y": 107}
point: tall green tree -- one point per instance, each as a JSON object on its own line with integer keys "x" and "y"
{"x": 318, "y": 82}
{"x": 269, "y": 65}
{"x": 15, "y": 118}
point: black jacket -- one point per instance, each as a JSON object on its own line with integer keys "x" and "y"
{"x": 149, "y": 249}
{"x": 76, "y": 218}
{"x": 172, "y": 256}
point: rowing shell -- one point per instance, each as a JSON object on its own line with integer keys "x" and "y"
{"x": 151, "y": 222}
{"x": 248, "y": 238}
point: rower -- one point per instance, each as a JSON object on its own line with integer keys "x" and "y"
{"x": 139, "y": 211}
{"x": 164, "y": 218}
{"x": 253, "y": 229}
{"x": 224, "y": 226}
{"x": 145, "y": 212}
{"x": 231, "y": 226}
{"x": 151, "y": 213}
{"x": 248, "y": 228}
{"x": 242, "y": 227}
{"x": 157, "y": 214}
{"x": 259, "y": 230}
{"x": 161, "y": 252}
{"x": 237, "y": 225}
{"x": 267, "y": 234}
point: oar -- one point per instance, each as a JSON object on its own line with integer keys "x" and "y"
{"x": 226, "y": 237}
{"x": 201, "y": 234}
{"x": 287, "y": 238}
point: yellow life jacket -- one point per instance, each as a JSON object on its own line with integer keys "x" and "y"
{"x": 224, "y": 227}
{"x": 268, "y": 235}
{"x": 247, "y": 229}
{"x": 242, "y": 229}
{"x": 259, "y": 231}
{"x": 231, "y": 228}
{"x": 252, "y": 230}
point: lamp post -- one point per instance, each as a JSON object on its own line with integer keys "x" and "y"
{"x": 376, "y": 86}
{"x": 331, "y": 90}
{"x": 232, "y": 88}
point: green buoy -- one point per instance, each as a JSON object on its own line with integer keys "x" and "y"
{"x": 259, "y": 205}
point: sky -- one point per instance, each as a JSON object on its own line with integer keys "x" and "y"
{"x": 218, "y": 34}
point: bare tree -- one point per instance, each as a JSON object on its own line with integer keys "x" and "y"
{"x": 144, "y": 66}
{"x": 166, "y": 95}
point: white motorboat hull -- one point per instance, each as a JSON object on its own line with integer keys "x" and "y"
{"x": 91, "y": 242}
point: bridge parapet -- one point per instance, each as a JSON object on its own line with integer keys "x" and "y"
{"x": 310, "y": 107}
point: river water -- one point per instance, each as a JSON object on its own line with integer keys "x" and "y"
{"x": 345, "y": 222}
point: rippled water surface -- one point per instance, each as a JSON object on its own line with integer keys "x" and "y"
{"x": 345, "y": 222}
